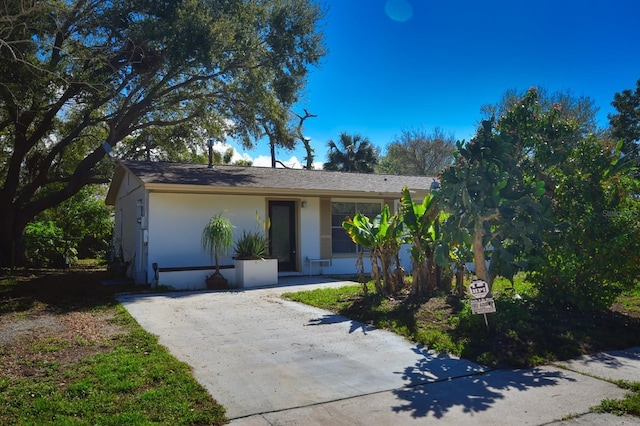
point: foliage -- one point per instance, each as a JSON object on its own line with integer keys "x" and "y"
{"x": 548, "y": 200}
{"x": 596, "y": 255}
{"x": 581, "y": 183}
{"x": 217, "y": 238}
{"x": 353, "y": 154}
{"x": 502, "y": 188}
{"x": 421, "y": 226}
{"x": 78, "y": 227}
{"x": 625, "y": 124}
{"x": 78, "y": 78}
{"x": 85, "y": 221}
{"x": 251, "y": 245}
{"x": 254, "y": 244}
{"x": 182, "y": 143}
{"x": 580, "y": 111}
{"x": 381, "y": 237}
{"x": 418, "y": 152}
{"x": 47, "y": 246}
{"x": 225, "y": 158}
{"x": 490, "y": 197}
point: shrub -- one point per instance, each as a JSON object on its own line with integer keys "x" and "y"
{"x": 47, "y": 247}
{"x": 251, "y": 245}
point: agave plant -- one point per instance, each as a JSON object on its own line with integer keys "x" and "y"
{"x": 251, "y": 245}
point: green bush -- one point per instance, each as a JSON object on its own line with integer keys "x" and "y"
{"x": 47, "y": 247}
{"x": 251, "y": 245}
{"x": 594, "y": 256}
{"x": 79, "y": 227}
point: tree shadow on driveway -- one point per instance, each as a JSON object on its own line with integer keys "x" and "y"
{"x": 335, "y": 319}
{"x": 474, "y": 393}
{"x": 611, "y": 359}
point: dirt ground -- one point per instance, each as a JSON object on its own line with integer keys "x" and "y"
{"x": 54, "y": 318}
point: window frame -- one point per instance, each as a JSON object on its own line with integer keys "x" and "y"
{"x": 335, "y": 226}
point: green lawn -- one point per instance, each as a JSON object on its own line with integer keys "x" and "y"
{"x": 75, "y": 356}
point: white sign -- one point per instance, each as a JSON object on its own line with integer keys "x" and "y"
{"x": 479, "y": 288}
{"x": 483, "y": 306}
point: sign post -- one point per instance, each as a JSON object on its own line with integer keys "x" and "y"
{"x": 482, "y": 304}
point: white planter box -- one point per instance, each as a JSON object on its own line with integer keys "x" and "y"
{"x": 256, "y": 273}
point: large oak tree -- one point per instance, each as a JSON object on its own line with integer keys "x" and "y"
{"x": 77, "y": 77}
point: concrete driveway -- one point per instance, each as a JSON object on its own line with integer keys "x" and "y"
{"x": 271, "y": 361}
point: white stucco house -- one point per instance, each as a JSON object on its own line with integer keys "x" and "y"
{"x": 161, "y": 209}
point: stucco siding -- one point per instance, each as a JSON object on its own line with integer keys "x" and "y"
{"x": 177, "y": 220}
{"x": 309, "y": 230}
{"x": 175, "y": 227}
{"x": 127, "y": 228}
{"x": 165, "y": 228}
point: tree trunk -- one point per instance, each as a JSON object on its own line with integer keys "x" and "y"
{"x": 305, "y": 141}
{"x": 6, "y": 241}
{"x": 418, "y": 273}
{"x": 273, "y": 152}
{"x": 478, "y": 253}
{"x": 12, "y": 250}
{"x": 430, "y": 282}
{"x": 375, "y": 273}
{"x": 398, "y": 274}
{"x": 460, "y": 290}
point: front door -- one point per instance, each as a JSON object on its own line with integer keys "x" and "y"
{"x": 282, "y": 234}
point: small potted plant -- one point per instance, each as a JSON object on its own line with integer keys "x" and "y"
{"x": 251, "y": 260}
{"x": 251, "y": 245}
{"x": 217, "y": 239}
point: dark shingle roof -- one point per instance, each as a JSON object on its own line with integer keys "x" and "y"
{"x": 278, "y": 180}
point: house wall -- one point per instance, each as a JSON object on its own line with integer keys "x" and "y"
{"x": 129, "y": 225}
{"x": 175, "y": 227}
{"x": 175, "y": 223}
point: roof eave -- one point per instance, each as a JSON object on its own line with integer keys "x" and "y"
{"x": 229, "y": 190}
{"x": 112, "y": 193}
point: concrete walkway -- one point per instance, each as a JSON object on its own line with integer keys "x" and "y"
{"x": 275, "y": 362}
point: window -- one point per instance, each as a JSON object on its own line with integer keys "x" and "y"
{"x": 341, "y": 242}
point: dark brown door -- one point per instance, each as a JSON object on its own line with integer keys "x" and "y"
{"x": 282, "y": 233}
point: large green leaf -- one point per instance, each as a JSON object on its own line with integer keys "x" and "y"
{"x": 360, "y": 230}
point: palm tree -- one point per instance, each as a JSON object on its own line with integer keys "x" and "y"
{"x": 356, "y": 154}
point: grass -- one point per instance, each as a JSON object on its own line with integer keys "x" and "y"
{"x": 628, "y": 302}
{"x": 630, "y": 405}
{"x": 522, "y": 333}
{"x": 72, "y": 355}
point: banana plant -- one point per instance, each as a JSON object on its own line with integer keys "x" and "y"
{"x": 421, "y": 230}
{"x": 381, "y": 237}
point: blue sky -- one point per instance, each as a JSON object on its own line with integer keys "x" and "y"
{"x": 399, "y": 64}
